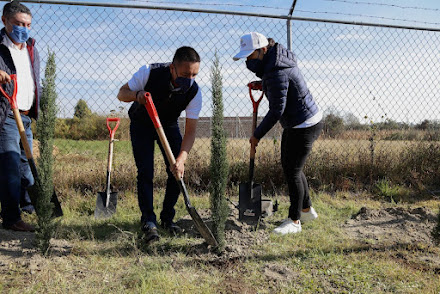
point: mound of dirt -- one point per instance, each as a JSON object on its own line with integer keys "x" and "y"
{"x": 240, "y": 236}
{"x": 395, "y": 225}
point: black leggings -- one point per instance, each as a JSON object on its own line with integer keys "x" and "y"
{"x": 296, "y": 146}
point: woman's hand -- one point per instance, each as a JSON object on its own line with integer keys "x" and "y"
{"x": 254, "y": 142}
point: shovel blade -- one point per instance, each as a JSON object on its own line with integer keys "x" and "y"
{"x": 249, "y": 202}
{"x": 35, "y": 192}
{"x": 201, "y": 227}
{"x": 57, "y": 210}
{"x": 101, "y": 211}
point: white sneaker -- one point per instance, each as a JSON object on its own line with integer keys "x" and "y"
{"x": 288, "y": 227}
{"x": 309, "y": 215}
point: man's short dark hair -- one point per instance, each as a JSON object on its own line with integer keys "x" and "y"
{"x": 187, "y": 54}
{"x": 14, "y": 7}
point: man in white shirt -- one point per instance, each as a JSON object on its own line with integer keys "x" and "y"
{"x": 173, "y": 89}
{"x": 19, "y": 56}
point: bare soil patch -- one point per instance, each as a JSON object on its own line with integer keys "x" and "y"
{"x": 395, "y": 225}
{"x": 397, "y": 229}
{"x": 18, "y": 248}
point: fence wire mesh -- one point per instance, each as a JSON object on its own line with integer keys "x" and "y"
{"x": 373, "y": 83}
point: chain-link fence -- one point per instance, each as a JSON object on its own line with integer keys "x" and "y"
{"x": 373, "y": 83}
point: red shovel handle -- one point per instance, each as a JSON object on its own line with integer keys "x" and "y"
{"x": 12, "y": 100}
{"x": 152, "y": 110}
{"x": 112, "y": 131}
{"x": 256, "y": 85}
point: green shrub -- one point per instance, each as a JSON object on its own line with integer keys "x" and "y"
{"x": 45, "y": 131}
{"x": 219, "y": 162}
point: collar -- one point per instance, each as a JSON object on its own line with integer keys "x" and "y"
{"x": 8, "y": 43}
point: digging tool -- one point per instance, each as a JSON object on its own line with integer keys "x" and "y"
{"x": 106, "y": 201}
{"x": 200, "y": 225}
{"x": 35, "y": 190}
{"x": 250, "y": 193}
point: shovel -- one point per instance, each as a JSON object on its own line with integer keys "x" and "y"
{"x": 200, "y": 225}
{"x": 35, "y": 190}
{"x": 106, "y": 201}
{"x": 249, "y": 198}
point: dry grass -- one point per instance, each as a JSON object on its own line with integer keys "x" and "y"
{"x": 333, "y": 165}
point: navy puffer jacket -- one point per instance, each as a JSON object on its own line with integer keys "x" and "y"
{"x": 290, "y": 101}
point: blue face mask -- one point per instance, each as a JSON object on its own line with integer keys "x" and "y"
{"x": 19, "y": 34}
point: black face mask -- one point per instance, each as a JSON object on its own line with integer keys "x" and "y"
{"x": 256, "y": 66}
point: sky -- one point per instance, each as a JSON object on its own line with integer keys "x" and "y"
{"x": 396, "y": 12}
{"x": 364, "y": 71}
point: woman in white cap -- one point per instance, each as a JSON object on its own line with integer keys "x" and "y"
{"x": 291, "y": 103}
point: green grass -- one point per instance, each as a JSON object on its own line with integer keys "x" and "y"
{"x": 110, "y": 256}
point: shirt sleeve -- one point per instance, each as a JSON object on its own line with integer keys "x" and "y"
{"x": 193, "y": 109}
{"x": 139, "y": 79}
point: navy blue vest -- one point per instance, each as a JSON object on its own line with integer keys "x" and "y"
{"x": 169, "y": 105}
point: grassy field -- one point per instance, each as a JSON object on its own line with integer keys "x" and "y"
{"x": 111, "y": 256}
{"x": 91, "y": 256}
{"x": 350, "y": 165}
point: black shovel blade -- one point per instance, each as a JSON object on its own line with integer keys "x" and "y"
{"x": 35, "y": 193}
{"x": 201, "y": 227}
{"x": 249, "y": 203}
{"x": 200, "y": 224}
{"x": 101, "y": 211}
{"x": 57, "y": 210}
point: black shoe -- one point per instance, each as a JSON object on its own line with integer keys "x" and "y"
{"x": 171, "y": 227}
{"x": 150, "y": 231}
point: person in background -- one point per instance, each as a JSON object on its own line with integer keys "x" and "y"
{"x": 18, "y": 55}
{"x": 173, "y": 89}
{"x": 291, "y": 103}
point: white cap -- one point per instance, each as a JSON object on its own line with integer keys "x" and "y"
{"x": 249, "y": 43}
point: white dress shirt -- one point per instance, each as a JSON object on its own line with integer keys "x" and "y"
{"x": 25, "y": 76}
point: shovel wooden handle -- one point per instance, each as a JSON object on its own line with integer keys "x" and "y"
{"x": 13, "y": 101}
{"x": 200, "y": 225}
{"x": 27, "y": 149}
{"x": 152, "y": 112}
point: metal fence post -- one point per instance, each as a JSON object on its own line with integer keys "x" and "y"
{"x": 289, "y": 26}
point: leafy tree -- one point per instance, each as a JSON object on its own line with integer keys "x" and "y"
{"x": 82, "y": 110}
{"x": 351, "y": 121}
{"x": 333, "y": 125}
{"x": 46, "y": 131}
{"x": 219, "y": 163}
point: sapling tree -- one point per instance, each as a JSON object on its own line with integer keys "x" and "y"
{"x": 219, "y": 162}
{"x": 45, "y": 133}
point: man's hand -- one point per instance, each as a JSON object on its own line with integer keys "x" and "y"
{"x": 254, "y": 142}
{"x": 140, "y": 97}
{"x": 4, "y": 77}
{"x": 179, "y": 168}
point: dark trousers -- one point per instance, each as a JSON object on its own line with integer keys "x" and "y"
{"x": 143, "y": 136}
{"x": 296, "y": 146}
{"x": 15, "y": 173}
